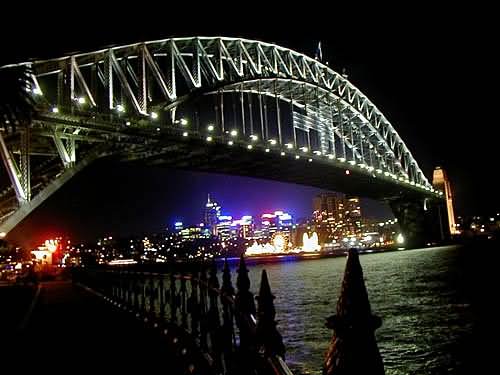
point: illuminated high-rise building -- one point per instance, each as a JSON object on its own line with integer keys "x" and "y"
{"x": 285, "y": 220}
{"x": 277, "y": 221}
{"x": 352, "y": 216}
{"x": 440, "y": 181}
{"x": 224, "y": 227}
{"x": 268, "y": 224}
{"x": 329, "y": 215}
{"x": 336, "y": 216}
{"x": 243, "y": 227}
{"x": 211, "y": 215}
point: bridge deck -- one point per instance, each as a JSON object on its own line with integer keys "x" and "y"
{"x": 70, "y": 328}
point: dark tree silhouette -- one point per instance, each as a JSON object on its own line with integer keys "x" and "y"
{"x": 16, "y": 98}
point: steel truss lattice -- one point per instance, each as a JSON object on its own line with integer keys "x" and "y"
{"x": 93, "y": 104}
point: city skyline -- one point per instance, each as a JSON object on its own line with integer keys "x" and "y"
{"x": 68, "y": 213}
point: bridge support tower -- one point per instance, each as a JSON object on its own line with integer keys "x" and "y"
{"x": 421, "y": 221}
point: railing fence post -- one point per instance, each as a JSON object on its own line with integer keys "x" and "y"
{"x": 203, "y": 306}
{"x": 213, "y": 316}
{"x": 269, "y": 340}
{"x": 245, "y": 315}
{"x": 353, "y": 348}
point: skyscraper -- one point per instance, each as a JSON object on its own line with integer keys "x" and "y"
{"x": 352, "y": 216}
{"x": 328, "y": 215}
{"x": 336, "y": 216}
{"x": 211, "y": 215}
{"x": 224, "y": 227}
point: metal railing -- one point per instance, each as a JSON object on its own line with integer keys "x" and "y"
{"x": 220, "y": 328}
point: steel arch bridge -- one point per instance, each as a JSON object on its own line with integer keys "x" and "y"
{"x": 174, "y": 96}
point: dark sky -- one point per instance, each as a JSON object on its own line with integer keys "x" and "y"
{"x": 430, "y": 71}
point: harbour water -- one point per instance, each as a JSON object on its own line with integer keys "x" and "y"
{"x": 423, "y": 296}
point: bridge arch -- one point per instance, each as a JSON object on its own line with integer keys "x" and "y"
{"x": 128, "y": 99}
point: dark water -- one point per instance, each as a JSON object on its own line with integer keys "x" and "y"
{"x": 425, "y": 298}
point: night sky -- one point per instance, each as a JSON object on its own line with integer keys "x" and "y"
{"x": 429, "y": 72}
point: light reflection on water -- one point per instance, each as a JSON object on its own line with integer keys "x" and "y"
{"x": 414, "y": 292}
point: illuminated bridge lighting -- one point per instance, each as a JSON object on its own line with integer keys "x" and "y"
{"x": 372, "y": 137}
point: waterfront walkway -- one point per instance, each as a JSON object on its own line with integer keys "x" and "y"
{"x": 66, "y": 328}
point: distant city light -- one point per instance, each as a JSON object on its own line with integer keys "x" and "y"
{"x": 127, "y": 123}
{"x": 55, "y": 110}
{"x": 154, "y": 115}
{"x": 81, "y": 100}
{"x": 347, "y": 171}
{"x": 249, "y": 147}
{"x": 183, "y": 121}
{"x": 400, "y": 239}
{"x": 254, "y": 137}
{"x": 234, "y": 133}
{"x": 267, "y": 150}
{"x": 230, "y": 143}
{"x": 210, "y": 128}
{"x": 305, "y": 149}
{"x": 120, "y": 108}
{"x": 289, "y": 145}
{"x": 209, "y": 139}
{"x": 272, "y": 141}
{"x": 51, "y": 245}
{"x": 185, "y": 134}
{"x": 310, "y": 244}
